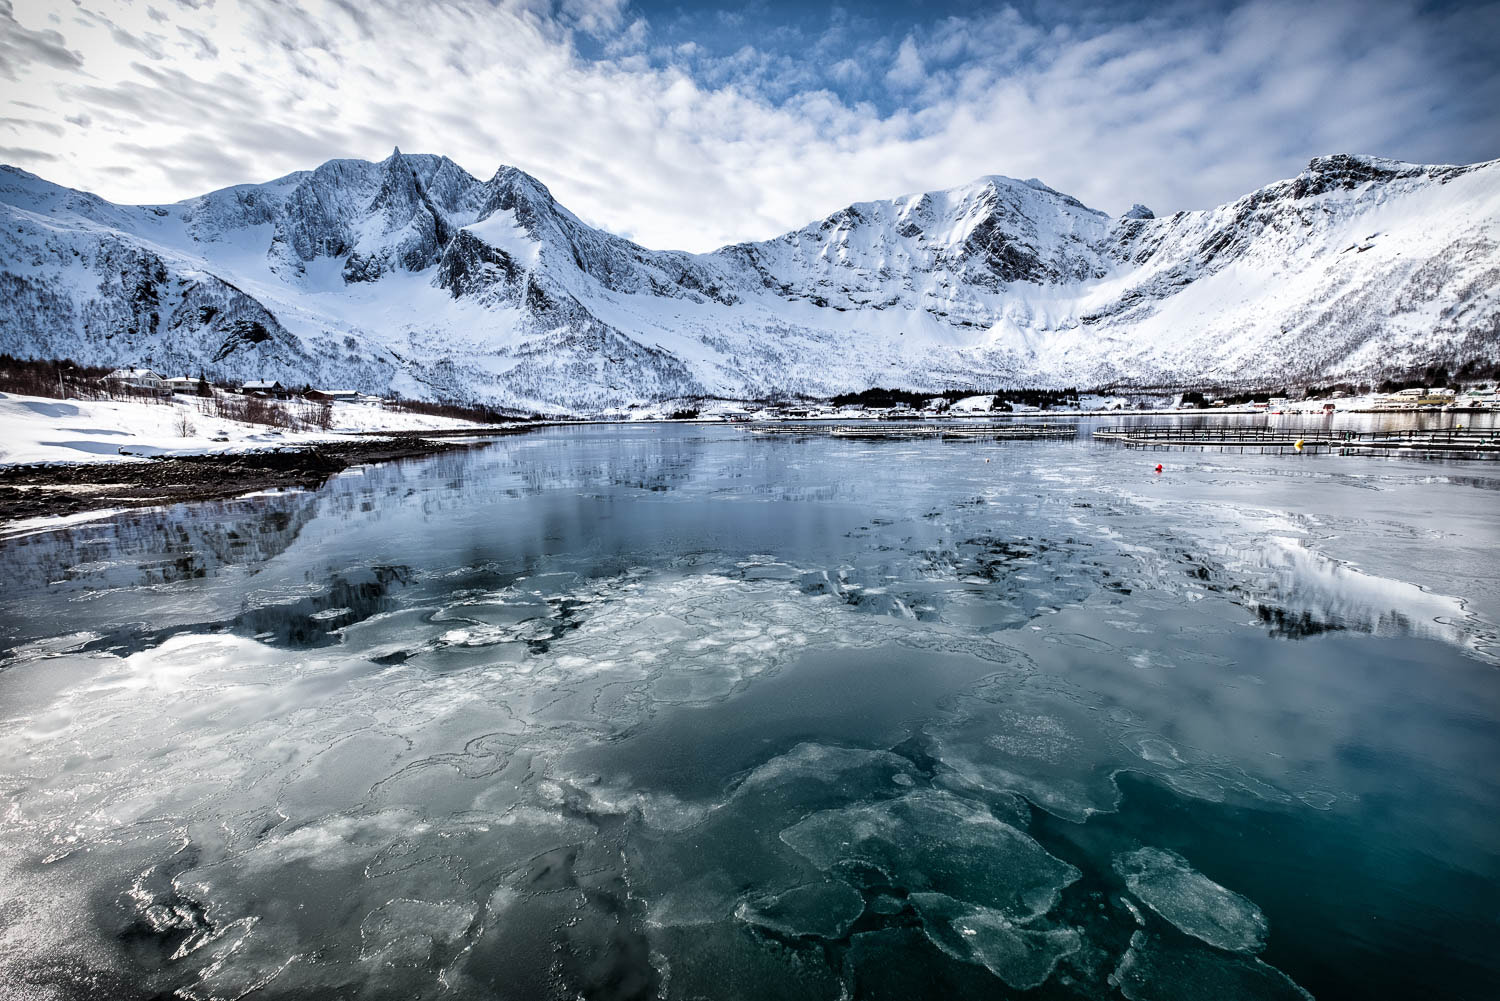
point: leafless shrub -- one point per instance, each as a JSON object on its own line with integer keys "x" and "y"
{"x": 58, "y": 379}
{"x": 293, "y": 416}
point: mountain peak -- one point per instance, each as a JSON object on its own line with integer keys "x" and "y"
{"x": 1346, "y": 171}
{"x": 508, "y": 175}
{"x": 999, "y": 182}
{"x": 1338, "y": 162}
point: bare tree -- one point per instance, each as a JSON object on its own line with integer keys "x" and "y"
{"x": 184, "y": 426}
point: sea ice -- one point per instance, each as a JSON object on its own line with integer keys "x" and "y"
{"x": 934, "y": 841}
{"x": 849, "y": 771}
{"x": 699, "y": 901}
{"x": 825, "y": 910}
{"x": 1022, "y": 957}
{"x": 405, "y": 932}
{"x": 1154, "y": 971}
{"x": 1191, "y": 901}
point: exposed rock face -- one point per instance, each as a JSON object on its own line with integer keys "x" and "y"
{"x": 411, "y": 275}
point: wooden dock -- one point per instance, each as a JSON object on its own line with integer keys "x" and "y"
{"x": 1463, "y": 443}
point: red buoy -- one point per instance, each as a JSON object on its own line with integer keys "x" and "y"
{"x": 1158, "y": 467}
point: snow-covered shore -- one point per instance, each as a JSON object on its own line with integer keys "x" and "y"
{"x": 36, "y": 429}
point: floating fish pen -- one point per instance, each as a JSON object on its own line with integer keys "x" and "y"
{"x": 1462, "y": 443}
{"x": 790, "y": 428}
{"x": 916, "y": 431}
{"x": 1007, "y": 431}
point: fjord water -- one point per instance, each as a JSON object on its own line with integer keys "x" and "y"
{"x": 684, "y": 711}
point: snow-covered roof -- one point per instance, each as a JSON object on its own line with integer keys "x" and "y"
{"x": 132, "y": 373}
{"x": 262, "y": 384}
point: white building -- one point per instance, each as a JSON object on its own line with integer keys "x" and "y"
{"x": 137, "y": 378}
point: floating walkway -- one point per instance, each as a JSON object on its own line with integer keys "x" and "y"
{"x": 1462, "y": 443}
{"x": 908, "y": 431}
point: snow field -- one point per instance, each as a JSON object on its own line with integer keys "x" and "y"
{"x": 37, "y": 429}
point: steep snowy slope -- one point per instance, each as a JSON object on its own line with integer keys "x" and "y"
{"x": 411, "y": 275}
{"x": 1357, "y": 266}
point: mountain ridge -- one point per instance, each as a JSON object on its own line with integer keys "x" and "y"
{"x": 411, "y": 275}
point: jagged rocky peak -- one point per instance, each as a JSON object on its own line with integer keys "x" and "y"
{"x": 400, "y": 195}
{"x": 442, "y": 182}
{"x": 1138, "y": 211}
{"x": 983, "y": 236}
{"x": 448, "y": 184}
{"x": 522, "y": 205}
{"x": 514, "y": 190}
{"x": 1026, "y": 231}
{"x": 401, "y": 228}
{"x": 397, "y": 213}
{"x": 315, "y": 218}
{"x": 1346, "y": 171}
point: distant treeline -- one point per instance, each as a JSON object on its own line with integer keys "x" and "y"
{"x": 1437, "y": 376}
{"x": 59, "y": 379}
{"x": 881, "y": 399}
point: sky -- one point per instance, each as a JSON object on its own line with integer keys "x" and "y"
{"x": 693, "y": 126}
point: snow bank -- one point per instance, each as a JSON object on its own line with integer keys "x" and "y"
{"x": 37, "y": 429}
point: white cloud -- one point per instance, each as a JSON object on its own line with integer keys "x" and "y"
{"x": 596, "y": 17}
{"x": 906, "y": 71}
{"x": 678, "y": 150}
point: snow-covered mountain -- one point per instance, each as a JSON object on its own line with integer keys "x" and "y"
{"x": 411, "y": 275}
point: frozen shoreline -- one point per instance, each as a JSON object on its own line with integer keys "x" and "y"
{"x": 38, "y": 496}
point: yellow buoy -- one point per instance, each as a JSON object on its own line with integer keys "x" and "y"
{"x": 1298, "y": 446}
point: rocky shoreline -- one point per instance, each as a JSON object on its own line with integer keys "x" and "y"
{"x": 31, "y": 491}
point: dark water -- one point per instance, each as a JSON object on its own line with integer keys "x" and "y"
{"x": 687, "y": 712}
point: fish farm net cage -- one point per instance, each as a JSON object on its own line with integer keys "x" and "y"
{"x": 1465, "y": 443}
{"x": 911, "y": 431}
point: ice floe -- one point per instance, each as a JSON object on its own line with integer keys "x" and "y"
{"x": 933, "y": 841}
{"x": 1152, "y": 970}
{"x": 1024, "y": 957}
{"x": 824, "y": 910}
{"x": 1166, "y": 883}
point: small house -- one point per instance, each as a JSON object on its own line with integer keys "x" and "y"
{"x": 137, "y": 378}
{"x": 264, "y": 387}
{"x": 183, "y": 384}
{"x": 334, "y": 395}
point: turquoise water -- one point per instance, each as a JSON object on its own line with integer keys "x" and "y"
{"x": 687, "y": 712}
